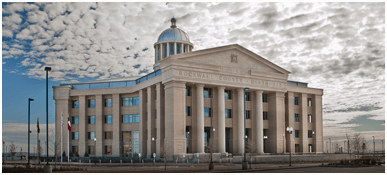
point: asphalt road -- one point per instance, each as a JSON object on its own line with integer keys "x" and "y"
{"x": 372, "y": 169}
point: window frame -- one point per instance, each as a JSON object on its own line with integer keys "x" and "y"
{"x": 296, "y": 133}
{"x": 296, "y": 117}
{"x": 107, "y": 119}
{"x": 265, "y": 115}
{"x": 188, "y": 91}
{"x": 227, "y": 94}
{"x": 73, "y": 119}
{"x": 247, "y": 96}
{"x": 228, "y": 113}
{"x": 209, "y": 92}
{"x": 75, "y": 104}
{"x": 89, "y": 103}
{"x": 295, "y": 101}
{"x": 188, "y": 111}
{"x": 108, "y": 102}
{"x": 209, "y": 112}
{"x": 89, "y": 119}
{"x": 264, "y": 98}
{"x": 247, "y": 114}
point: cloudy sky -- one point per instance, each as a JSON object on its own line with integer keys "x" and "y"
{"x": 338, "y": 47}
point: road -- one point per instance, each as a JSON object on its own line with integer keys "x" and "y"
{"x": 372, "y": 169}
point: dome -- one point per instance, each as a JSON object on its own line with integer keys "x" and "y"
{"x": 173, "y": 34}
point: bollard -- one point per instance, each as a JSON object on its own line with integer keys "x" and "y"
{"x": 153, "y": 161}
{"x": 121, "y": 162}
{"x": 110, "y": 161}
{"x": 142, "y": 160}
{"x": 131, "y": 161}
{"x": 100, "y": 161}
{"x": 198, "y": 161}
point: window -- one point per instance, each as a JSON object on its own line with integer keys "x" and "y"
{"x": 205, "y": 139}
{"x": 295, "y": 100}
{"x": 247, "y": 96}
{"x": 247, "y": 114}
{"x": 296, "y": 147}
{"x": 188, "y": 111}
{"x": 228, "y": 113}
{"x": 126, "y": 119}
{"x": 207, "y": 92}
{"x": 264, "y": 115}
{"x": 296, "y": 133}
{"x": 136, "y": 118}
{"x": 309, "y": 101}
{"x": 108, "y": 149}
{"x": 74, "y": 150}
{"x": 91, "y": 103}
{"x": 134, "y": 101}
{"x": 125, "y": 101}
{"x": 264, "y": 98}
{"x": 207, "y": 112}
{"x": 75, "y": 120}
{"x": 108, "y": 102}
{"x": 171, "y": 51}
{"x": 296, "y": 118}
{"x": 90, "y": 150}
{"x": 108, "y": 135}
{"x": 108, "y": 119}
{"x": 188, "y": 91}
{"x": 75, "y": 104}
{"x": 310, "y": 118}
{"x": 310, "y": 134}
{"x": 74, "y": 135}
{"x": 91, "y": 120}
{"x": 227, "y": 94}
{"x": 90, "y": 135}
{"x": 178, "y": 48}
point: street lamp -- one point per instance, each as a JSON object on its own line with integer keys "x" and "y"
{"x": 244, "y": 164}
{"x": 47, "y": 168}
{"x": 153, "y": 139}
{"x": 29, "y": 131}
{"x": 290, "y": 131}
{"x": 211, "y": 166}
{"x": 264, "y": 142}
{"x": 95, "y": 150}
{"x": 313, "y": 142}
{"x": 373, "y": 137}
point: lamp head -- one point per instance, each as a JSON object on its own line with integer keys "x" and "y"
{"x": 287, "y": 129}
{"x": 30, "y": 99}
{"x": 313, "y": 132}
{"x": 291, "y": 129}
{"x": 213, "y": 129}
{"x": 95, "y": 139}
{"x": 47, "y": 68}
{"x": 246, "y": 136}
{"x": 153, "y": 139}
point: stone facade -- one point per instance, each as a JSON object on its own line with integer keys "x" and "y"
{"x": 163, "y": 124}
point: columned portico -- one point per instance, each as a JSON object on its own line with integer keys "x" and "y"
{"x": 259, "y": 121}
{"x": 221, "y": 120}
{"x": 241, "y": 127}
{"x": 200, "y": 118}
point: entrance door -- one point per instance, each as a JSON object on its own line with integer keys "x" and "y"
{"x": 127, "y": 143}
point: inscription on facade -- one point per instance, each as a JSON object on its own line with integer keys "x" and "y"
{"x": 208, "y": 76}
{"x": 234, "y": 71}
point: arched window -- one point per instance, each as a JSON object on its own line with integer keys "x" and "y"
{"x": 178, "y": 48}
{"x": 171, "y": 51}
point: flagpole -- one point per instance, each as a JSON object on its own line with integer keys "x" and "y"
{"x": 68, "y": 142}
{"x": 61, "y": 138}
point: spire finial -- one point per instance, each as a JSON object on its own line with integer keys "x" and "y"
{"x": 173, "y": 22}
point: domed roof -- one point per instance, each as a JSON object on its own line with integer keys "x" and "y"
{"x": 173, "y": 33}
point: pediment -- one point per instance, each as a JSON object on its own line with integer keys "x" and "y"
{"x": 232, "y": 56}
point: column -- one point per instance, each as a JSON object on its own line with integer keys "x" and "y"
{"x": 174, "y": 48}
{"x": 290, "y": 122}
{"x": 241, "y": 127}
{"x": 161, "y": 51}
{"x": 175, "y": 122}
{"x": 200, "y": 118}
{"x": 317, "y": 123}
{"x": 159, "y": 120}
{"x": 304, "y": 123}
{"x": 221, "y": 121}
{"x": 276, "y": 115}
{"x": 117, "y": 125}
{"x": 82, "y": 126}
{"x": 156, "y": 54}
{"x": 142, "y": 109}
{"x": 259, "y": 121}
{"x": 150, "y": 120}
{"x": 168, "y": 50}
{"x": 99, "y": 123}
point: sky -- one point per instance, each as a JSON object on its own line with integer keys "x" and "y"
{"x": 338, "y": 47}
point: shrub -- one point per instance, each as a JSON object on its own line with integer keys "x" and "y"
{"x": 86, "y": 154}
{"x": 64, "y": 154}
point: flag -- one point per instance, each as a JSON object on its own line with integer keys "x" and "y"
{"x": 37, "y": 125}
{"x": 68, "y": 123}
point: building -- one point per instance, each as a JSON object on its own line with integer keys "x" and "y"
{"x": 169, "y": 111}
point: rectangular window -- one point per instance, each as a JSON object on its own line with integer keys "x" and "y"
{"x": 248, "y": 114}
{"x": 75, "y": 120}
{"x": 188, "y": 91}
{"x": 297, "y": 147}
{"x": 309, "y": 101}
{"x": 310, "y": 118}
{"x": 74, "y": 150}
{"x": 228, "y": 113}
{"x": 90, "y": 150}
{"x": 264, "y": 98}
{"x": 207, "y": 92}
{"x": 296, "y": 133}
{"x": 296, "y": 118}
{"x": 207, "y": 112}
{"x": 75, "y": 104}
{"x": 264, "y": 115}
{"x": 247, "y": 96}
{"x": 74, "y": 135}
{"x": 295, "y": 100}
{"x": 108, "y": 102}
{"x": 108, "y": 135}
{"x": 91, "y": 119}
{"x": 136, "y": 118}
{"x": 90, "y": 135}
{"x": 125, "y": 119}
{"x": 310, "y": 134}
{"x": 188, "y": 111}
{"x": 227, "y": 94}
{"x": 125, "y": 101}
{"x": 91, "y": 103}
{"x": 108, "y": 119}
{"x": 134, "y": 101}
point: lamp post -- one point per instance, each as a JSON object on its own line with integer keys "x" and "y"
{"x": 373, "y": 138}
{"x": 211, "y": 165}
{"x": 153, "y": 139}
{"x": 283, "y": 143}
{"x": 95, "y": 150}
{"x": 29, "y": 131}
{"x": 290, "y": 131}
{"x": 264, "y": 142}
{"x": 47, "y": 167}
{"x": 244, "y": 163}
{"x": 313, "y": 142}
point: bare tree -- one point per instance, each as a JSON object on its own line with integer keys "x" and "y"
{"x": 166, "y": 155}
{"x": 12, "y": 149}
{"x": 357, "y": 143}
{"x": 348, "y": 137}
